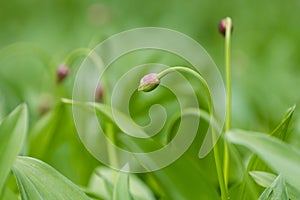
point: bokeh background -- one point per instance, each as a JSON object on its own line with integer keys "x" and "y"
{"x": 36, "y": 36}
{"x": 265, "y": 44}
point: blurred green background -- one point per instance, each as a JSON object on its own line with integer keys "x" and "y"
{"x": 36, "y": 36}
{"x": 265, "y": 44}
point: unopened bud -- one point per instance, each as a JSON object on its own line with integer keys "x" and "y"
{"x": 99, "y": 93}
{"x": 222, "y": 26}
{"x": 149, "y": 82}
{"x": 62, "y": 73}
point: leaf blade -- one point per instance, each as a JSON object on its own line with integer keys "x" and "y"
{"x": 13, "y": 131}
{"x": 121, "y": 190}
{"x": 280, "y": 156}
{"x": 37, "y": 180}
{"x": 277, "y": 190}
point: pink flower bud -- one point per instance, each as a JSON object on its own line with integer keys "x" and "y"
{"x": 99, "y": 93}
{"x": 62, "y": 73}
{"x": 149, "y": 82}
{"x": 222, "y": 26}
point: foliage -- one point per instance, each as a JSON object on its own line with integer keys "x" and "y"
{"x": 41, "y": 155}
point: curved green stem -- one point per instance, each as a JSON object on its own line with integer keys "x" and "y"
{"x": 211, "y": 111}
{"x": 192, "y": 72}
{"x": 70, "y": 59}
{"x": 228, "y": 100}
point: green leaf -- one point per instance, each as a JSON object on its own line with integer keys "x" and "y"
{"x": 121, "y": 190}
{"x": 281, "y": 130}
{"x": 183, "y": 179}
{"x": 12, "y": 135}
{"x": 37, "y": 180}
{"x": 53, "y": 139}
{"x": 263, "y": 179}
{"x": 281, "y": 157}
{"x": 277, "y": 190}
{"x": 255, "y": 163}
{"x": 101, "y": 184}
{"x": 42, "y": 134}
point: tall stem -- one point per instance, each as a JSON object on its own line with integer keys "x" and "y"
{"x": 211, "y": 111}
{"x": 228, "y": 25}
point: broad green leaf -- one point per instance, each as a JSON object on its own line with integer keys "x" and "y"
{"x": 43, "y": 133}
{"x": 53, "y": 139}
{"x": 265, "y": 179}
{"x": 281, "y": 157}
{"x": 37, "y": 180}
{"x": 277, "y": 190}
{"x": 281, "y": 131}
{"x": 12, "y": 135}
{"x": 121, "y": 190}
{"x": 255, "y": 163}
{"x": 139, "y": 190}
{"x": 183, "y": 179}
{"x": 102, "y": 184}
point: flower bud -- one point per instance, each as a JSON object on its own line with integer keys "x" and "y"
{"x": 149, "y": 82}
{"x": 222, "y": 26}
{"x": 62, "y": 72}
{"x": 99, "y": 93}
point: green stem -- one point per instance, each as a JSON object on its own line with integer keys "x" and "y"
{"x": 228, "y": 99}
{"x": 88, "y": 53}
{"x": 211, "y": 111}
{"x": 75, "y": 54}
{"x": 192, "y": 72}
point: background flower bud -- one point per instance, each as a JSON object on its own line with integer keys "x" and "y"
{"x": 99, "y": 93}
{"x": 62, "y": 72}
{"x": 149, "y": 82}
{"x": 222, "y": 26}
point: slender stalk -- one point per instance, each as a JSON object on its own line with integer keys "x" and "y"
{"x": 192, "y": 72}
{"x": 211, "y": 111}
{"x": 75, "y": 54}
{"x": 228, "y": 25}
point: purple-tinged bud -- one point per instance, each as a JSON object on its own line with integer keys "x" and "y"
{"x": 62, "y": 72}
{"x": 149, "y": 82}
{"x": 99, "y": 93}
{"x": 222, "y": 26}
